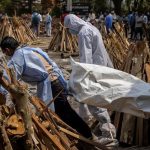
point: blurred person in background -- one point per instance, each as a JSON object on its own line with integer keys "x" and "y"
{"x": 48, "y": 24}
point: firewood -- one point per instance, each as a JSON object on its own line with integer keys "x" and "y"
{"x": 6, "y": 141}
{"x": 84, "y": 139}
{"x": 16, "y": 28}
{"x": 2, "y": 99}
{"x": 127, "y": 132}
{"x": 139, "y": 132}
{"x": 15, "y": 125}
{"x": 66, "y": 55}
{"x": 63, "y": 41}
{"x": 22, "y": 108}
{"x": 40, "y": 106}
{"x": 147, "y": 69}
{"x": 55, "y": 141}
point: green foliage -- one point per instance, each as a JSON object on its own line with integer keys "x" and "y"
{"x": 117, "y": 4}
{"x": 146, "y": 5}
{"x": 9, "y": 6}
{"x": 4, "y": 4}
{"x": 56, "y": 11}
{"x": 128, "y": 3}
{"x": 98, "y": 5}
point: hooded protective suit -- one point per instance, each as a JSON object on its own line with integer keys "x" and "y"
{"x": 91, "y": 46}
{"x": 30, "y": 69}
{"x": 92, "y": 51}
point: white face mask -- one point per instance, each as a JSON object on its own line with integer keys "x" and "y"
{"x": 73, "y": 31}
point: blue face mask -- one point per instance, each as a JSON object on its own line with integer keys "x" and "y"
{"x": 73, "y": 31}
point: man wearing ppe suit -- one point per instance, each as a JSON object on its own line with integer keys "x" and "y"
{"x": 92, "y": 51}
{"x": 32, "y": 65}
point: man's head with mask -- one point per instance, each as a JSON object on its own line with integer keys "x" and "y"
{"x": 74, "y": 23}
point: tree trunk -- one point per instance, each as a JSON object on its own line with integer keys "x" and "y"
{"x": 22, "y": 108}
{"x": 30, "y": 5}
{"x": 20, "y": 100}
{"x": 117, "y": 4}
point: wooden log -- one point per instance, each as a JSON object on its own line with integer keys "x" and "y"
{"x": 83, "y": 139}
{"x": 40, "y": 106}
{"x": 15, "y": 126}
{"x": 127, "y": 131}
{"x": 147, "y": 69}
{"x": 20, "y": 98}
{"x": 69, "y": 43}
{"x": 2, "y": 99}
{"x": 116, "y": 120}
{"x": 52, "y": 128}
{"x": 63, "y": 39}
{"x": 52, "y": 41}
{"x": 6, "y": 141}
{"x": 55, "y": 141}
{"x": 139, "y": 132}
{"x": 43, "y": 143}
{"x": 146, "y": 135}
{"x": 66, "y": 55}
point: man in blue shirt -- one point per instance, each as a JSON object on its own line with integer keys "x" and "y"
{"x": 108, "y": 22}
{"x": 35, "y": 23}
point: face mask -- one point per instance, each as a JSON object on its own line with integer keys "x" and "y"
{"x": 73, "y": 31}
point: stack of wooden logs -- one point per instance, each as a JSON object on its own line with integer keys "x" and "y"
{"x": 116, "y": 44}
{"x": 55, "y": 25}
{"x": 126, "y": 56}
{"x": 17, "y": 28}
{"x": 29, "y": 124}
{"x": 64, "y": 42}
{"x": 132, "y": 58}
{"x": 133, "y": 130}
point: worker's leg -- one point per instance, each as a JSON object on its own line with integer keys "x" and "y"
{"x": 101, "y": 114}
{"x": 50, "y": 30}
{"x": 66, "y": 113}
{"x": 84, "y": 112}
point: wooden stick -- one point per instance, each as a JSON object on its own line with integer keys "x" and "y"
{"x": 20, "y": 98}
{"x": 62, "y": 40}
{"x": 6, "y": 141}
{"x": 103, "y": 147}
{"x": 48, "y": 134}
{"x": 51, "y": 101}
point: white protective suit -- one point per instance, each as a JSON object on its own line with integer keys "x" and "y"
{"x": 48, "y": 24}
{"x": 30, "y": 69}
{"x": 92, "y": 51}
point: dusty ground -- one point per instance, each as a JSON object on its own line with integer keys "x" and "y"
{"x": 64, "y": 64}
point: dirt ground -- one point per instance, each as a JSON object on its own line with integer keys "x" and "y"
{"x": 64, "y": 64}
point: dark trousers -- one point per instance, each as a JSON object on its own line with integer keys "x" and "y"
{"x": 132, "y": 32}
{"x": 139, "y": 30}
{"x": 66, "y": 113}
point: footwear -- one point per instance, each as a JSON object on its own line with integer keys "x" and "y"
{"x": 108, "y": 130}
{"x": 109, "y": 143}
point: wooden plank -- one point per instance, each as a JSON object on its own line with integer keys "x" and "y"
{"x": 77, "y": 136}
{"x": 127, "y": 130}
{"x": 146, "y": 135}
{"x": 62, "y": 40}
{"x": 118, "y": 123}
{"x": 147, "y": 69}
{"x": 55, "y": 140}
{"x": 139, "y": 132}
